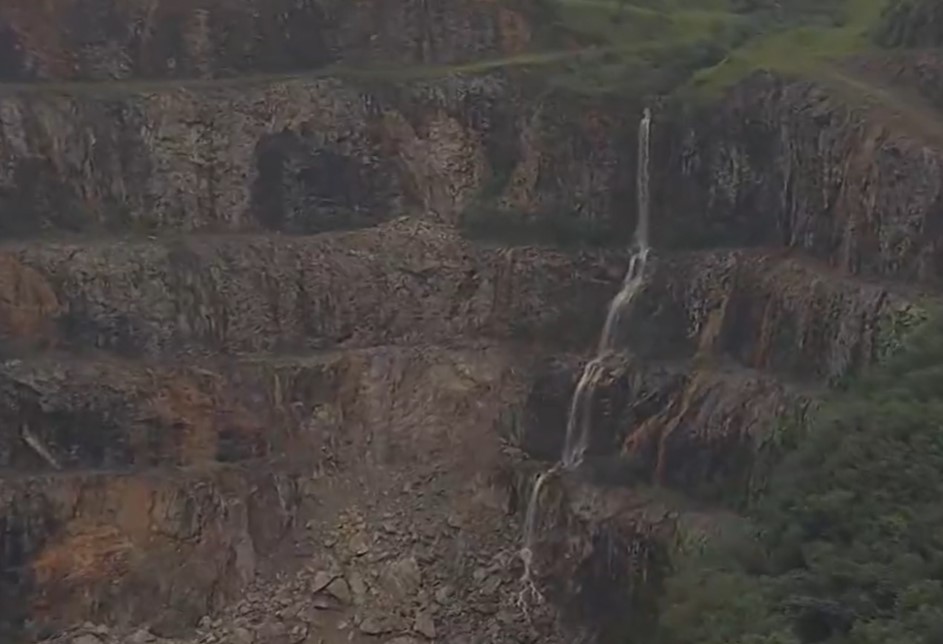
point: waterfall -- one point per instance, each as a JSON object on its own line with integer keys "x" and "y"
{"x": 530, "y": 521}
{"x": 580, "y": 417}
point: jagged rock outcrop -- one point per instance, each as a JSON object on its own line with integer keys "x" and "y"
{"x": 335, "y": 412}
{"x": 699, "y": 428}
{"x": 260, "y": 393}
{"x": 728, "y": 348}
{"x": 300, "y": 156}
{"x": 771, "y": 311}
{"x": 115, "y": 546}
{"x": 601, "y": 553}
{"x": 75, "y": 550}
{"x": 915, "y": 75}
{"x": 303, "y": 364}
{"x": 911, "y": 23}
{"x": 104, "y": 40}
{"x": 381, "y": 403}
{"x": 303, "y": 155}
{"x": 778, "y": 163}
{"x": 404, "y": 282}
{"x": 208, "y": 405}
{"x": 68, "y": 413}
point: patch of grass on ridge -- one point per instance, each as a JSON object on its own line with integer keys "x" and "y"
{"x": 799, "y": 50}
{"x": 703, "y": 46}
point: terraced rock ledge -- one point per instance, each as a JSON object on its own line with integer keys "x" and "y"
{"x": 260, "y": 384}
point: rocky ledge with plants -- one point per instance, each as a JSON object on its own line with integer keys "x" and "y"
{"x": 315, "y": 325}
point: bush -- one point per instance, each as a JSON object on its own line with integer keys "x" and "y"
{"x": 851, "y": 530}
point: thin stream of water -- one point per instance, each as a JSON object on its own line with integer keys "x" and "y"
{"x": 579, "y": 420}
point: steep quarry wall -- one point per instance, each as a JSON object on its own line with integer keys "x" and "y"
{"x": 118, "y": 545}
{"x": 243, "y": 332}
{"x": 185, "y": 414}
{"x": 912, "y": 23}
{"x": 300, "y": 156}
{"x": 403, "y": 282}
{"x": 814, "y": 167}
{"x": 106, "y": 40}
{"x": 311, "y": 151}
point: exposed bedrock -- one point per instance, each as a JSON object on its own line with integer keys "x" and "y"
{"x": 600, "y": 554}
{"x": 700, "y": 429}
{"x": 305, "y": 155}
{"x": 383, "y": 404}
{"x": 911, "y": 23}
{"x": 915, "y": 75}
{"x": 836, "y": 169}
{"x": 774, "y": 312}
{"x": 108, "y": 39}
{"x": 195, "y": 356}
{"x": 723, "y": 351}
{"x": 177, "y": 503}
{"x": 63, "y": 412}
{"x": 115, "y": 546}
{"x": 406, "y": 282}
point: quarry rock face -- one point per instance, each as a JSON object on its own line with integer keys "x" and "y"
{"x": 912, "y": 24}
{"x": 403, "y": 282}
{"x": 255, "y": 370}
{"x": 802, "y": 166}
{"x": 101, "y": 40}
{"x": 310, "y": 150}
{"x": 601, "y": 554}
{"x": 100, "y": 544}
{"x": 299, "y": 156}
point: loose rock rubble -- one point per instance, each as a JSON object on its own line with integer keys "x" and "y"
{"x": 420, "y": 567}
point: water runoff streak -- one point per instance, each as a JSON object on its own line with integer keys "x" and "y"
{"x": 578, "y": 422}
{"x": 580, "y": 416}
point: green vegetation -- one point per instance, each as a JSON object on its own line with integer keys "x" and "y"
{"x": 642, "y": 47}
{"x": 699, "y": 47}
{"x": 848, "y": 539}
{"x": 634, "y": 48}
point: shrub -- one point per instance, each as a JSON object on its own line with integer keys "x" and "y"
{"x": 850, "y": 531}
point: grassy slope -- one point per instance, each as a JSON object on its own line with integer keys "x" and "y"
{"x": 702, "y": 46}
{"x": 797, "y": 50}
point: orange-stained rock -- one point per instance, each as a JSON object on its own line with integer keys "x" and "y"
{"x": 135, "y": 546}
{"x": 28, "y": 303}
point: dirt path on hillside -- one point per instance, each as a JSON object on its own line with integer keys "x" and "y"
{"x": 903, "y": 110}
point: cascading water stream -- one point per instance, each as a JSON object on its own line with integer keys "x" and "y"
{"x": 580, "y": 416}
{"x": 579, "y": 420}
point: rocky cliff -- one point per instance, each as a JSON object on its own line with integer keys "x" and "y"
{"x": 257, "y": 371}
{"x": 826, "y": 168}
{"x": 912, "y": 23}
{"x": 241, "y": 326}
{"x": 94, "y": 40}
{"x": 299, "y": 156}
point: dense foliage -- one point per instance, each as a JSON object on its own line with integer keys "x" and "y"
{"x": 848, "y": 546}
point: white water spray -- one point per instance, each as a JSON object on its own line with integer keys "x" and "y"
{"x": 529, "y": 590}
{"x": 579, "y": 421}
{"x": 580, "y": 417}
